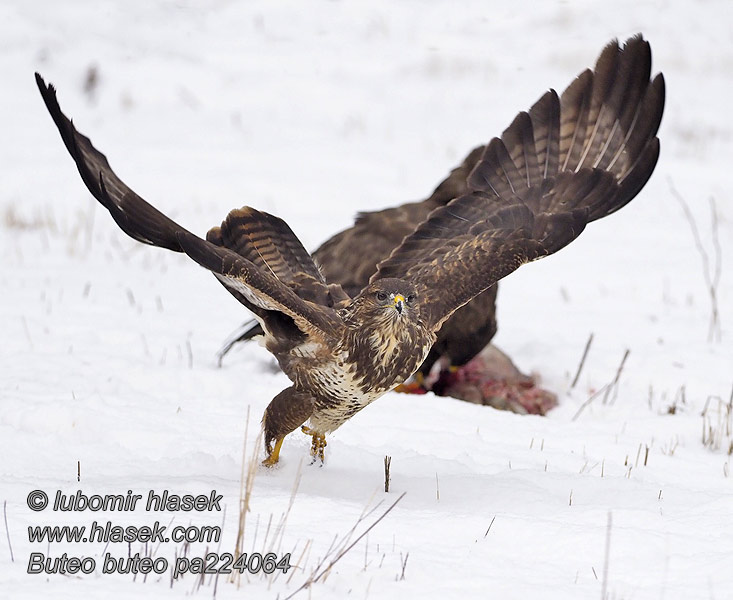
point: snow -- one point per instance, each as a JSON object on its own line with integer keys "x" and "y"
{"x": 313, "y": 113}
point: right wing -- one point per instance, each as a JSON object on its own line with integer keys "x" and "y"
{"x": 136, "y": 218}
{"x": 467, "y": 246}
{"x": 258, "y": 289}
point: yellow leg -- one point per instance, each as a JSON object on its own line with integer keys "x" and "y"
{"x": 413, "y": 387}
{"x": 274, "y": 456}
{"x": 318, "y": 445}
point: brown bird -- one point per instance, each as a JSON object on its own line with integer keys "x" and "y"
{"x": 566, "y": 162}
{"x": 350, "y": 257}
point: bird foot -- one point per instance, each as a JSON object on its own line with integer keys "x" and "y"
{"x": 318, "y": 444}
{"x": 414, "y": 385}
{"x": 273, "y": 455}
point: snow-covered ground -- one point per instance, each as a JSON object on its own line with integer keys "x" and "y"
{"x": 313, "y": 112}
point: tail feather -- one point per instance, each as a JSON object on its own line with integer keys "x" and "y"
{"x": 247, "y": 331}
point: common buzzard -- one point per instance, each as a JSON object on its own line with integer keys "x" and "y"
{"x": 350, "y": 257}
{"x": 568, "y": 161}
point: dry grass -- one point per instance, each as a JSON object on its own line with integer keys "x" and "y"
{"x": 710, "y": 273}
{"x": 343, "y": 545}
{"x": 717, "y": 424}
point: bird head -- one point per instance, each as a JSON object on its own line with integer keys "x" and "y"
{"x": 388, "y": 300}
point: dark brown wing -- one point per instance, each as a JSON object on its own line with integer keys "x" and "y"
{"x": 260, "y": 288}
{"x": 136, "y": 218}
{"x": 351, "y": 256}
{"x": 268, "y": 242}
{"x": 468, "y": 245}
{"x": 255, "y": 286}
{"x": 606, "y": 119}
{"x": 568, "y": 161}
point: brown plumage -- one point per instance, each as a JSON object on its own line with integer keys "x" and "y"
{"x": 568, "y": 161}
{"x": 618, "y": 88}
{"x": 350, "y": 257}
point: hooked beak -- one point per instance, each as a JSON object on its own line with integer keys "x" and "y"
{"x": 399, "y": 302}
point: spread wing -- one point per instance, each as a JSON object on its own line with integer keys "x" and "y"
{"x": 568, "y": 161}
{"x": 268, "y": 242}
{"x": 136, "y": 218}
{"x": 467, "y": 246}
{"x": 606, "y": 119}
{"x": 260, "y": 288}
{"x": 256, "y": 283}
{"x": 351, "y": 256}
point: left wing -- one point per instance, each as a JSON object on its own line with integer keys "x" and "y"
{"x": 468, "y": 245}
{"x": 570, "y": 160}
{"x": 268, "y": 242}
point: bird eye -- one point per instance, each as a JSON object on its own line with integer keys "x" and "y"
{"x": 381, "y": 296}
{"x": 410, "y": 298}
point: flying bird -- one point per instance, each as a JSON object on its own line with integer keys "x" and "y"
{"x": 566, "y": 162}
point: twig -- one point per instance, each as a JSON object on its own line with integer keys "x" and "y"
{"x": 714, "y": 330}
{"x": 589, "y": 400}
{"x": 606, "y": 558}
{"x": 338, "y": 544}
{"x": 614, "y": 383}
{"x": 322, "y": 571}
{"x": 7, "y": 531}
{"x": 582, "y": 361}
{"x": 404, "y": 564}
{"x": 189, "y": 351}
{"x": 489, "y": 527}
{"x": 711, "y": 279}
{"x": 245, "y": 491}
{"x": 297, "y": 564}
{"x": 387, "y": 463}
{"x": 27, "y": 331}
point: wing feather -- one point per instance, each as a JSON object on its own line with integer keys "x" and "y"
{"x": 468, "y": 245}
{"x": 569, "y": 160}
{"x": 256, "y": 283}
{"x": 135, "y": 217}
{"x": 268, "y": 242}
{"x": 259, "y": 287}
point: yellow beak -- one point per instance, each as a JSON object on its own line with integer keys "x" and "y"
{"x": 399, "y": 302}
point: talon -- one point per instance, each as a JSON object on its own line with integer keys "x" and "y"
{"x": 318, "y": 444}
{"x": 273, "y": 455}
{"x": 415, "y": 386}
